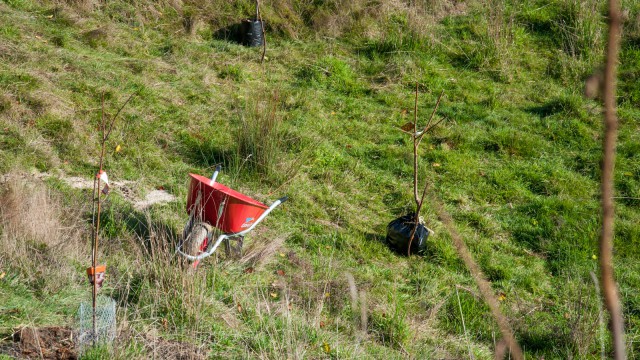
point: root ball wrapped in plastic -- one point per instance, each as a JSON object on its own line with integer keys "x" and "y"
{"x": 399, "y": 235}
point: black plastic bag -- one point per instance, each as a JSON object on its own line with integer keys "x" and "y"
{"x": 252, "y": 32}
{"x": 399, "y": 235}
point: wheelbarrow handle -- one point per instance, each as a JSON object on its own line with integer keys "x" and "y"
{"x": 274, "y": 205}
{"x": 222, "y": 237}
{"x": 215, "y": 175}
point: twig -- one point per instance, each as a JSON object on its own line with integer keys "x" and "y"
{"x": 600, "y": 317}
{"x": 464, "y": 327}
{"x": 483, "y": 284}
{"x": 433, "y": 113}
{"x": 434, "y": 125}
{"x": 264, "y": 36}
{"x": 113, "y": 119}
{"x": 609, "y": 286}
{"x": 415, "y": 148}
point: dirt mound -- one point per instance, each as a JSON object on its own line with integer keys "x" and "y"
{"x": 44, "y": 343}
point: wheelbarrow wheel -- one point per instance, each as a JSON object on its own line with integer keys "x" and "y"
{"x": 188, "y": 227}
{"x": 197, "y": 240}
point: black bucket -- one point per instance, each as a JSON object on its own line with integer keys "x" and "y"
{"x": 252, "y": 32}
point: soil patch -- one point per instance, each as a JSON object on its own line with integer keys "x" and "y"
{"x": 51, "y": 342}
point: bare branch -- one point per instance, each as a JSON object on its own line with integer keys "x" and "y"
{"x": 433, "y": 126}
{"x": 415, "y": 148}
{"x": 483, "y": 284}
{"x": 406, "y": 132}
{"x": 601, "y": 330}
{"x": 102, "y": 128}
{"x": 416, "y": 143}
{"x": 113, "y": 119}
{"x": 609, "y": 286}
{"x": 264, "y": 36}
{"x": 433, "y": 113}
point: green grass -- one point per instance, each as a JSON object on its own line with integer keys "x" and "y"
{"x": 516, "y": 163}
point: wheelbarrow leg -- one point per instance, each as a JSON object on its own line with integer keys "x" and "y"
{"x": 233, "y": 247}
{"x": 240, "y": 234}
{"x": 227, "y": 246}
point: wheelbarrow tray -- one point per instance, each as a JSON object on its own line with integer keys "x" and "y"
{"x": 237, "y": 213}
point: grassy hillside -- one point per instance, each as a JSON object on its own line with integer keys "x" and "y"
{"x": 516, "y": 162}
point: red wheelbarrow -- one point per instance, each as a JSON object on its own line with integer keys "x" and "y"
{"x": 212, "y": 205}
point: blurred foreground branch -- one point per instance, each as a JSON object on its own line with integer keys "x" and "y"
{"x": 480, "y": 279}
{"x": 608, "y": 283}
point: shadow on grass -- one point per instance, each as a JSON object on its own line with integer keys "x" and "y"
{"x": 231, "y": 33}
{"x": 201, "y": 151}
{"x": 154, "y": 243}
{"x": 569, "y": 105}
{"x": 377, "y": 237}
{"x": 150, "y": 230}
{"x": 543, "y": 341}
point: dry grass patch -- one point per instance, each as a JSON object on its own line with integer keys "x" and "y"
{"x": 38, "y": 238}
{"x": 261, "y": 250}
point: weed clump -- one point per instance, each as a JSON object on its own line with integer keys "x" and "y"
{"x": 390, "y": 330}
{"x": 258, "y": 135}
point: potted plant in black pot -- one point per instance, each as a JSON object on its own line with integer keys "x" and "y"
{"x": 253, "y": 29}
{"x": 408, "y": 234}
